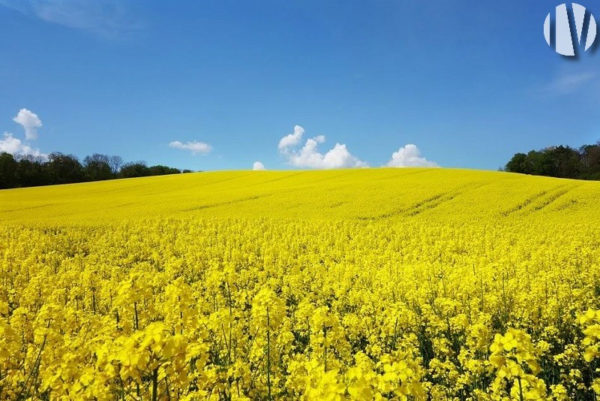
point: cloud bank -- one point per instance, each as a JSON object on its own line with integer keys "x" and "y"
{"x": 22, "y": 148}
{"x": 16, "y": 147}
{"x": 258, "y": 166}
{"x": 106, "y": 18}
{"x": 30, "y": 122}
{"x": 309, "y": 155}
{"x": 195, "y": 147}
{"x": 571, "y": 82}
{"x": 409, "y": 156}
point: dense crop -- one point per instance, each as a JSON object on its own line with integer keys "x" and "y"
{"x": 359, "y": 285}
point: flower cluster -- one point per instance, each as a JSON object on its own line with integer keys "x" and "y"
{"x": 420, "y": 304}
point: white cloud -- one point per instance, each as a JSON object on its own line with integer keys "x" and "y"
{"x": 567, "y": 83}
{"x": 310, "y": 157}
{"x": 107, "y": 18}
{"x": 258, "y": 166}
{"x": 291, "y": 139}
{"x": 193, "y": 146}
{"x": 16, "y": 147}
{"x": 30, "y": 122}
{"x": 409, "y": 156}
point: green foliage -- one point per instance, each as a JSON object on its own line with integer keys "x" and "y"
{"x": 559, "y": 161}
{"x": 140, "y": 169}
{"x": 59, "y": 168}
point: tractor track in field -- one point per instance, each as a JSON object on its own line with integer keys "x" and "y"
{"x": 540, "y": 200}
{"x": 218, "y": 204}
{"x": 432, "y": 204}
{"x": 528, "y": 201}
{"x": 549, "y": 200}
{"x": 427, "y": 204}
{"x": 567, "y": 204}
{"x": 413, "y": 210}
{"x": 555, "y": 196}
{"x": 285, "y": 177}
{"x": 28, "y": 208}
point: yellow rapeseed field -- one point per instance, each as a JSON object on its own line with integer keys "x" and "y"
{"x": 369, "y": 284}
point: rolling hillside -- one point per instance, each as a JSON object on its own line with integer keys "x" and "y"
{"x": 366, "y": 194}
{"x": 385, "y": 284}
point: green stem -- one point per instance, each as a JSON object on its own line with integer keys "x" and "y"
{"x": 268, "y": 356}
{"x": 155, "y": 385}
{"x": 136, "y": 321}
{"x": 520, "y": 388}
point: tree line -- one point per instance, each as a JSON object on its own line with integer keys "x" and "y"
{"x": 559, "y": 161}
{"x": 58, "y": 168}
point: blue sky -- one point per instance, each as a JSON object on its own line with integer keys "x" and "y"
{"x": 469, "y": 83}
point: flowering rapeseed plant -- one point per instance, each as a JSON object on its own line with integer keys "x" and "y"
{"x": 343, "y": 285}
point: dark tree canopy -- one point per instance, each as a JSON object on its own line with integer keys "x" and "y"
{"x": 63, "y": 169}
{"x": 137, "y": 169}
{"x": 58, "y": 168}
{"x": 8, "y": 169}
{"x": 97, "y": 167}
{"x": 559, "y": 161}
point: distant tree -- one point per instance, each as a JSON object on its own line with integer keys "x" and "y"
{"x": 58, "y": 168}
{"x": 115, "y": 162}
{"x": 162, "y": 170}
{"x": 8, "y": 170}
{"x": 559, "y": 161}
{"x": 538, "y": 163}
{"x": 518, "y": 163}
{"x": 62, "y": 169}
{"x": 138, "y": 169}
{"x": 566, "y": 161}
{"x": 31, "y": 172}
{"x": 97, "y": 167}
{"x": 590, "y": 160}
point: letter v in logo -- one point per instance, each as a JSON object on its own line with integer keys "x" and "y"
{"x": 585, "y": 29}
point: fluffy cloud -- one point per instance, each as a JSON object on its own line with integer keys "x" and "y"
{"x": 409, "y": 156}
{"x": 258, "y": 166}
{"x": 193, "y": 146}
{"x": 16, "y": 147}
{"x": 30, "y": 122}
{"x": 291, "y": 139}
{"x": 310, "y": 157}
